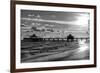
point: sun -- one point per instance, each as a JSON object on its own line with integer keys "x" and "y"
{"x": 82, "y": 20}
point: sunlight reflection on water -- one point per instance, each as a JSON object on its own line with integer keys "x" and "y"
{"x": 83, "y": 46}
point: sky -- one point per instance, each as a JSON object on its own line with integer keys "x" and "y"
{"x": 52, "y": 24}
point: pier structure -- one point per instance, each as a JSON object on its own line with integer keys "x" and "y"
{"x": 64, "y": 39}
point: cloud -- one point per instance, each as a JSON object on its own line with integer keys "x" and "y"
{"x": 59, "y": 22}
{"x": 31, "y": 15}
{"x": 50, "y": 21}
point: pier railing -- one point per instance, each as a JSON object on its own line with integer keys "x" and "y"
{"x": 55, "y": 39}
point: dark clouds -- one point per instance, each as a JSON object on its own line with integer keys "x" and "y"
{"x": 50, "y": 15}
